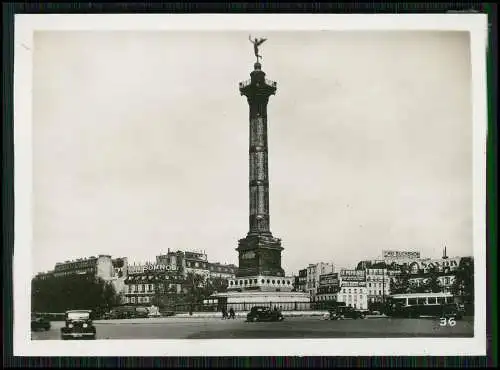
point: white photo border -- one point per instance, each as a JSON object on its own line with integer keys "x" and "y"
{"x": 27, "y": 24}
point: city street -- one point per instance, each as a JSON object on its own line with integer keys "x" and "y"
{"x": 292, "y": 327}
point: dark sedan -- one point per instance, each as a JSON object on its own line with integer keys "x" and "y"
{"x": 261, "y": 313}
{"x": 78, "y": 325}
{"x": 344, "y": 312}
{"x": 39, "y": 323}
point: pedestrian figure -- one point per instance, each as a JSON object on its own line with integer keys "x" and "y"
{"x": 224, "y": 313}
{"x": 231, "y": 313}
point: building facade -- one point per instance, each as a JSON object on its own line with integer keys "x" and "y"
{"x": 196, "y": 263}
{"x": 301, "y": 281}
{"x": 145, "y": 282}
{"x": 102, "y": 266}
{"x": 378, "y": 286}
{"x": 168, "y": 276}
{"x": 353, "y": 289}
{"x": 329, "y": 287}
{"x": 314, "y": 271}
{"x": 220, "y": 271}
{"x": 444, "y": 270}
{"x": 421, "y": 272}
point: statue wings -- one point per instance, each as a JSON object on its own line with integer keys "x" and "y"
{"x": 260, "y": 41}
{"x": 257, "y": 41}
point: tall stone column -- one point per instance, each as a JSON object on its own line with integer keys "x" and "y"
{"x": 259, "y": 252}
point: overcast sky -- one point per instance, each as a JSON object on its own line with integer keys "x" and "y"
{"x": 141, "y": 144}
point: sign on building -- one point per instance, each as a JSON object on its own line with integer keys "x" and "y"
{"x": 441, "y": 265}
{"x": 400, "y": 254}
{"x": 329, "y": 279}
{"x": 352, "y": 275}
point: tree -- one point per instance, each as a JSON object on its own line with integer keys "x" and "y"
{"x": 432, "y": 284}
{"x": 215, "y": 285}
{"x": 400, "y": 284}
{"x": 463, "y": 285}
{"x": 58, "y": 294}
{"x": 158, "y": 294}
{"x": 194, "y": 286}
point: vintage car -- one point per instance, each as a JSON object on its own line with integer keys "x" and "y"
{"x": 261, "y": 313}
{"x": 39, "y": 323}
{"x": 78, "y": 325}
{"x": 343, "y": 312}
{"x": 126, "y": 312}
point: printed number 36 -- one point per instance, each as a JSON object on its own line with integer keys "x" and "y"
{"x": 447, "y": 322}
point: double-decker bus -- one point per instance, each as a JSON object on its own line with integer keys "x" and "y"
{"x": 419, "y": 304}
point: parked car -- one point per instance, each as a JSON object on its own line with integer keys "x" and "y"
{"x": 167, "y": 313}
{"x": 125, "y": 312}
{"x": 261, "y": 313}
{"x": 344, "y": 312}
{"x": 78, "y": 324}
{"x": 140, "y": 312}
{"x": 39, "y": 323}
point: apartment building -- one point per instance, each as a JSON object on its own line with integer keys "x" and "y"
{"x": 314, "y": 271}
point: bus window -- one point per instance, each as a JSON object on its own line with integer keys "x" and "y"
{"x": 431, "y": 300}
{"x": 449, "y": 299}
{"x": 421, "y": 300}
{"x": 412, "y": 301}
{"x": 400, "y": 301}
{"x": 441, "y": 300}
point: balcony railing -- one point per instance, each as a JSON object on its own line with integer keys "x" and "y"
{"x": 245, "y": 83}
{"x": 248, "y": 82}
{"x": 270, "y": 82}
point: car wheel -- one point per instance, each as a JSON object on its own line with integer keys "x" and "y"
{"x": 362, "y": 316}
{"x": 254, "y": 319}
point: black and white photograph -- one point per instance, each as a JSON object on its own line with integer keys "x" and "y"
{"x": 250, "y": 185}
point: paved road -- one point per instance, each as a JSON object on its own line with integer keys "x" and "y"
{"x": 293, "y": 327}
